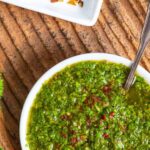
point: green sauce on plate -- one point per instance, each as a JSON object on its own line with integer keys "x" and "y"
{"x": 84, "y": 107}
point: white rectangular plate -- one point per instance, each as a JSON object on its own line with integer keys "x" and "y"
{"x": 87, "y": 15}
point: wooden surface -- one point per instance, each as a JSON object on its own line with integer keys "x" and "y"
{"x": 31, "y": 43}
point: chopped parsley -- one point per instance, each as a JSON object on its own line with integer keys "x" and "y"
{"x": 1, "y": 86}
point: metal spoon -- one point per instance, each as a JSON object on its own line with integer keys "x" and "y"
{"x": 145, "y": 38}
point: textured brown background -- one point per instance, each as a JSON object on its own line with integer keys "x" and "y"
{"x": 31, "y": 43}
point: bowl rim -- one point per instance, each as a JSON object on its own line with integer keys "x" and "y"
{"x": 58, "y": 67}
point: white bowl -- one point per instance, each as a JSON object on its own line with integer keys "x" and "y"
{"x": 91, "y": 56}
{"x": 87, "y": 15}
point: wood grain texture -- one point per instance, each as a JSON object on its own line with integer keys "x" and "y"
{"x": 31, "y": 43}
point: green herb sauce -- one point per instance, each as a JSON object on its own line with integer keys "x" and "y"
{"x": 1, "y": 86}
{"x": 84, "y": 107}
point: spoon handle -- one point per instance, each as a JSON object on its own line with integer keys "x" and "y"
{"x": 145, "y": 38}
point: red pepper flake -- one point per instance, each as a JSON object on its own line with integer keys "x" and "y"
{"x": 107, "y": 89}
{"x": 88, "y": 122}
{"x": 96, "y": 99}
{"x": 91, "y": 100}
{"x": 65, "y": 117}
{"x": 73, "y": 140}
{"x": 86, "y": 101}
{"x": 72, "y": 132}
{"x": 81, "y": 108}
{"x": 64, "y": 135}
{"x": 111, "y": 115}
{"x": 106, "y": 136}
{"x": 103, "y": 117}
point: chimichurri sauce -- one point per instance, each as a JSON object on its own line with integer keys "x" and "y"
{"x": 84, "y": 107}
